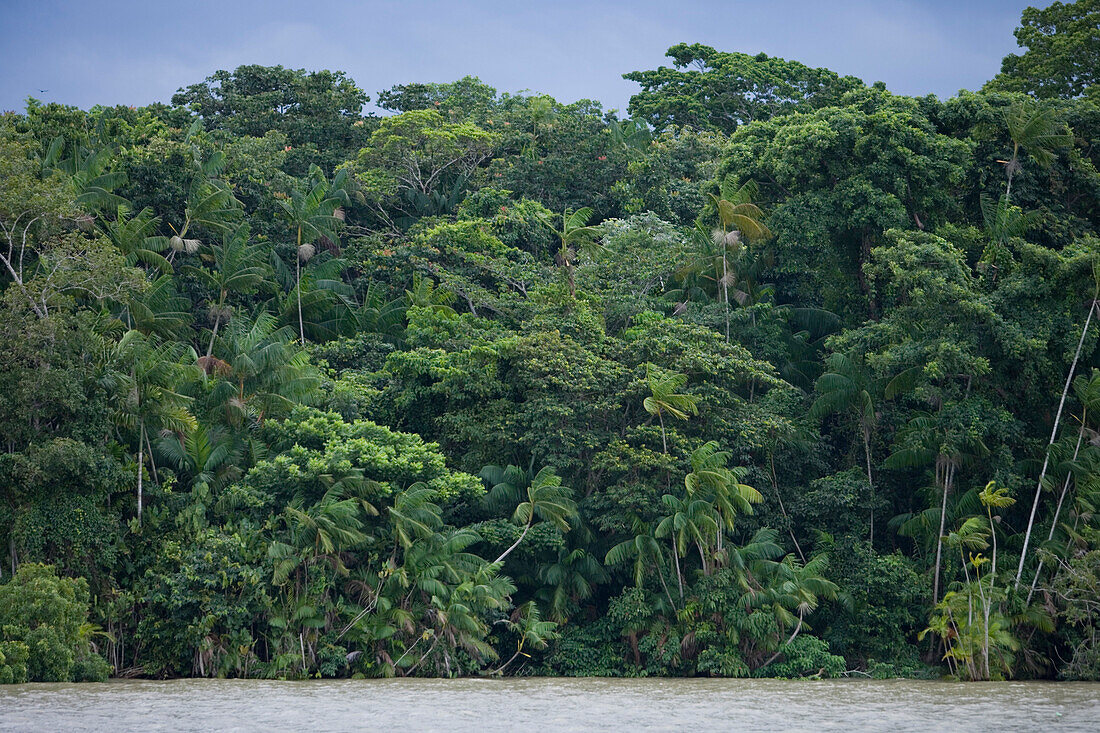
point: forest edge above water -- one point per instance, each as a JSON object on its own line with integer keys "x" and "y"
{"x": 782, "y": 376}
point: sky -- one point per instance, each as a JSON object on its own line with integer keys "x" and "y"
{"x": 118, "y": 52}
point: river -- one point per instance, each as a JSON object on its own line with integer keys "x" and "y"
{"x": 547, "y": 704}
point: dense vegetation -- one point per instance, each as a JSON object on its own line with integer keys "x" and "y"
{"x": 785, "y": 375}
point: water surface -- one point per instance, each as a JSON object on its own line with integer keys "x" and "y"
{"x": 544, "y": 704}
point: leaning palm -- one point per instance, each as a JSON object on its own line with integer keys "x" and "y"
{"x": 547, "y": 499}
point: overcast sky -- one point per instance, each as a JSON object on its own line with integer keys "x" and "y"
{"x": 116, "y": 52}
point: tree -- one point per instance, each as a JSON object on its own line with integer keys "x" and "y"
{"x": 849, "y": 387}
{"x": 238, "y": 270}
{"x": 663, "y": 398}
{"x": 1035, "y": 130}
{"x": 738, "y": 218}
{"x": 544, "y": 497}
{"x": 575, "y": 236}
{"x": 145, "y": 378}
{"x": 320, "y": 112}
{"x": 314, "y": 213}
{"x": 727, "y": 90}
{"x": 646, "y": 552}
{"x": 711, "y": 479}
{"x": 418, "y": 152}
{"x": 1063, "y": 52}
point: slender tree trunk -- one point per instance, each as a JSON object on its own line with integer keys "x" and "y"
{"x": 1053, "y": 435}
{"x": 870, "y": 482}
{"x": 797, "y": 628}
{"x": 947, "y": 476}
{"x": 214, "y": 333}
{"x": 140, "y": 467}
{"x": 661, "y": 575}
{"x": 664, "y": 440}
{"x": 703, "y": 558}
{"x": 298, "y": 288}
{"x": 676, "y": 560}
{"x": 1058, "y": 509}
{"x": 516, "y": 543}
{"x": 725, "y": 290}
{"x": 779, "y": 496}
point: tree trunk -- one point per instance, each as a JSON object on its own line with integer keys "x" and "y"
{"x": 676, "y": 560}
{"x": 664, "y": 440}
{"x": 1053, "y": 435}
{"x": 516, "y": 543}
{"x": 298, "y": 288}
{"x": 1058, "y": 509}
{"x": 779, "y": 496}
{"x": 214, "y": 333}
{"x": 725, "y": 290}
{"x": 939, "y": 538}
{"x": 140, "y": 467}
{"x": 870, "y": 482}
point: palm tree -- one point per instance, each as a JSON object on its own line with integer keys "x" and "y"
{"x": 258, "y": 372}
{"x": 797, "y": 588}
{"x": 146, "y": 376}
{"x": 689, "y": 520}
{"x": 849, "y": 387}
{"x": 738, "y": 218}
{"x": 546, "y": 499}
{"x": 528, "y": 625}
{"x": 933, "y": 440}
{"x": 664, "y": 399}
{"x": 711, "y": 479}
{"x": 1035, "y": 130}
{"x": 320, "y": 303}
{"x": 238, "y": 269}
{"x": 414, "y": 516}
{"x": 91, "y": 184}
{"x": 210, "y": 205}
{"x": 313, "y": 214}
{"x": 135, "y": 237}
{"x": 575, "y": 237}
{"x": 159, "y": 310}
{"x": 569, "y": 579}
{"x": 644, "y": 549}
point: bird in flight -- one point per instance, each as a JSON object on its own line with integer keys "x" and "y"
{"x": 43, "y": 91}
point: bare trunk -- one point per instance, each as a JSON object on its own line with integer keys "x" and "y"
{"x": 1058, "y": 509}
{"x": 1053, "y": 435}
{"x": 298, "y": 277}
{"x": 214, "y": 333}
{"x": 870, "y": 482}
{"x": 140, "y": 467}
{"x": 939, "y": 538}
{"x": 676, "y": 560}
{"x": 775, "y": 485}
{"x": 514, "y": 544}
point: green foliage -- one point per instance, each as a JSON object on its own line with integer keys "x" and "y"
{"x": 1062, "y": 53}
{"x": 500, "y": 384}
{"x": 44, "y": 631}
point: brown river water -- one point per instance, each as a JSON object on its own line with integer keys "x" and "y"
{"x": 550, "y": 704}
